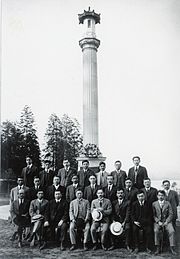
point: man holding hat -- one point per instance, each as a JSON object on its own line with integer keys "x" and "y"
{"x": 101, "y": 210}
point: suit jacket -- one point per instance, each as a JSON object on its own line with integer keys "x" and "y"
{"x": 100, "y": 181}
{"x": 56, "y": 212}
{"x": 37, "y": 208}
{"x": 141, "y": 175}
{"x": 84, "y": 177}
{"x": 106, "y": 205}
{"x": 111, "y": 195}
{"x": 71, "y": 193}
{"x": 141, "y": 214}
{"x": 29, "y": 174}
{"x": 15, "y": 209}
{"x": 15, "y": 191}
{"x": 174, "y": 201}
{"x": 131, "y": 195}
{"x": 151, "y": 195}
{"x": 73, "y": 209}
{"x": 90, "y": 194}
{"x": 65, "y": 177}
{"x": 121, "y": 213}
{"x": 32, "y": 192}
{"x": 119, "y": 178}
{"x": 165, "y": 215}
{"x": 51, "y": 190}
{"x": 46, "y": 179}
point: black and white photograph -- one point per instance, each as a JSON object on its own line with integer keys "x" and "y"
{"x": 90, "y": 124}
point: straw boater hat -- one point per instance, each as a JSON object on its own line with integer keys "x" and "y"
{"x": 97, "y": 215}
{"x": 37, "y": 218}
{"x": 116, "y": 228}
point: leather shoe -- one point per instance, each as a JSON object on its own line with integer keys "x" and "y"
{"x": 43, "y": 246}
{"x": 85, "y": 247}
{"x": 173, "y": 251}
{"x": 136, "y": 250}
{"x": 128, "y": 249}
{"x": 157, "y": 251}
{"x": 111, "y": 248}
{"x": 19, "y": 244}
{"x": 148, "y": 251}
{"x": 72, "y": 248}
{"x": 62, "y": 247}
{"x": 95, "y": 247}
{"x": 103, "y": 247}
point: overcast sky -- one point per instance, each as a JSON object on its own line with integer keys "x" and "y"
{"x": 138, "y": 73}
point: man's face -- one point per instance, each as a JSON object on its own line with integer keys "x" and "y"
{"x": 136, "y": 161}
{"x": 74, "y": 179}
{"x": 100, "y": 194}
{"x": 21, "y": 194}
{"x": 20, "y": 181}
{"x": 58, "y": 195}
{"x": 85, "y": 165}
{"x": 79, "y": 194}
{"x": 47, "y": 165}
{"x": 40, "y": 195}
{"x": 160, "y": 196}
{"x": 36, "y": 181}
{"x": 166, "y": 185}
{"x": 147, "y": 183}
{"x": 28, "y": 161}
{"x": 141, "y": 197}
{"x": 118, "y": 165}
{"x": 102, "y": 167}
{"x": 66, "y": 163}
{"x": 92, "y": 179}
{"x": 56, "y": 181}
{"x": 128, "y": 184}
{"x": 110, "y": 180}
{"x": 120, "y": 194}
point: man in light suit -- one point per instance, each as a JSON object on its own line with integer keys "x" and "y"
{"x": 20, "y": 214}
{"x": 29, "y": 172}
{"x": 71, "y": 189}
{"x": 15, "y": 191}
{"x": 37, "y": 208}
{"x": 163, "y": 215}
{"x": 46, "y": 175}
{"x": 104, "y": 206}
{"x": 84, "y": 174}
{"x": 65, "y": 173}
{"x": 101, "y": 176}
{"x": 90, "y": 191}
{"x": 150, "y": 192}
{"x": 137, "y": 173}
{"x": 119, "y": 175}
{"x": 173, "y": 198}
{"x": 79, "y": 213}
{"x": 110, "y": 189}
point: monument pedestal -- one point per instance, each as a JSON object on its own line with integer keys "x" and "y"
{"x": 93, "y": 162}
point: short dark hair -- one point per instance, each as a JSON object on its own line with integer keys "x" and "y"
{"x": 119, "y": 189}
{"x": 140, "y": 192}
{"x": 58, "y": 191}
{"x": 29, "y": 156}
{"x": 102, "y": 163}
{"x": 79, "y": 189}
{"x": 162, "y": 192}
{"x": 166, "y": 181}
{"x": 117, "y": 161}
{"x": 136, "y": 157}
{"x": 100, "y": 188}
{"x": 36, "y": 177}
{"x": 74, "y": 175}
{"x": 20, "y": 177}
{"x": 40, "y": 190}
{"x": 85, "y": 161}
{"x": 147, "y": 178}
{"x": 128, "y": 179}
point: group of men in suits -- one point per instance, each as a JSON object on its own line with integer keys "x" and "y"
{"x": 88, "y": 202}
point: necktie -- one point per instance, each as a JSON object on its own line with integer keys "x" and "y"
{"x": 109, "y": 188}
{"x": 100, "y": 203}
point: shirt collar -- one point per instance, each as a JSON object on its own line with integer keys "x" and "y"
{"x": 57, "y": 200}
{"x": 20, "y": 187}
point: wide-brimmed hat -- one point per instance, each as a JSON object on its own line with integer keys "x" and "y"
{"x": 116, "y": 228}
{"x": 97, "y": 215}
{"x": 37, "y": 217}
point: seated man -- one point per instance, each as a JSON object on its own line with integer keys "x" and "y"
{"x": 71, "y": 189}
{"x": 141, "y": 215}
{"x": 56, "y": 217}
{"x": 54, "y": 187}
{"x": 91, "y": 190}
{"x": 79, "y": 213}
{"x": 20, "y": 214}
{"x": 163, "y": 216}
{"x": 121, "y": 213}
{"x": 103, "y": 206}
{"x": 37, "y": 210}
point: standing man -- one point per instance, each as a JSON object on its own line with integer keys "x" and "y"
{"x": 15, "y": 191}
{"x": 119, "y": 175}
{"x": 55, "y": 187}
{"x": 29, "y": 172}
{"x": 91, "y": 190}
{"x": 104, "y": 207}
{"x": 71, "y": 189}
{"x": 79, "y": 213}
{"x": 34, "y": 190}
{"x": 84, "y": 174}
{"x": 163, "y": 216}
{"x": 46, "y": 176}
{"x": 110, "y": 190}
{"x": 130, "y": 191}
{"x": 101, "y": 176}
{"x": 173, "y": 198}
{"x": 65, "y": 173}
{"x": 137, "y": 173}
{"x": 150, "y": 192}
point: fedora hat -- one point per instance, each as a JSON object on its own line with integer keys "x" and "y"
{"x": 116, "y": 228}
{"x": 97, "y": 215}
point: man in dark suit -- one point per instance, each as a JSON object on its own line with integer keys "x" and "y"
{"x": 173, "y": 198}
{"x": 121, "y": 213}
{"x": 150, "y": 192}
{"x": 141, "y": 216}
{"x": 20, "y": 214}
{"x": 130, "y": 191}
{"x": 46, "y": 176}
{"x": 71, "y": 189}
{"x": 56, "y": 218}
{"x": 32, "y": 193}
{"x": 55, "y": 187}
{"x": 110, "y": 189}
{"x": 65, "y": 173}
{"x": 84, "y": 174}
{"x": 91, "y": 190}
{"x": 119, "y": 175}
{"x": 137, "y": 173}
{"x": 29, "y": 172}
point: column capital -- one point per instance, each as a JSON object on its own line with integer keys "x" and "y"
{"x": 91, "y": 43}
